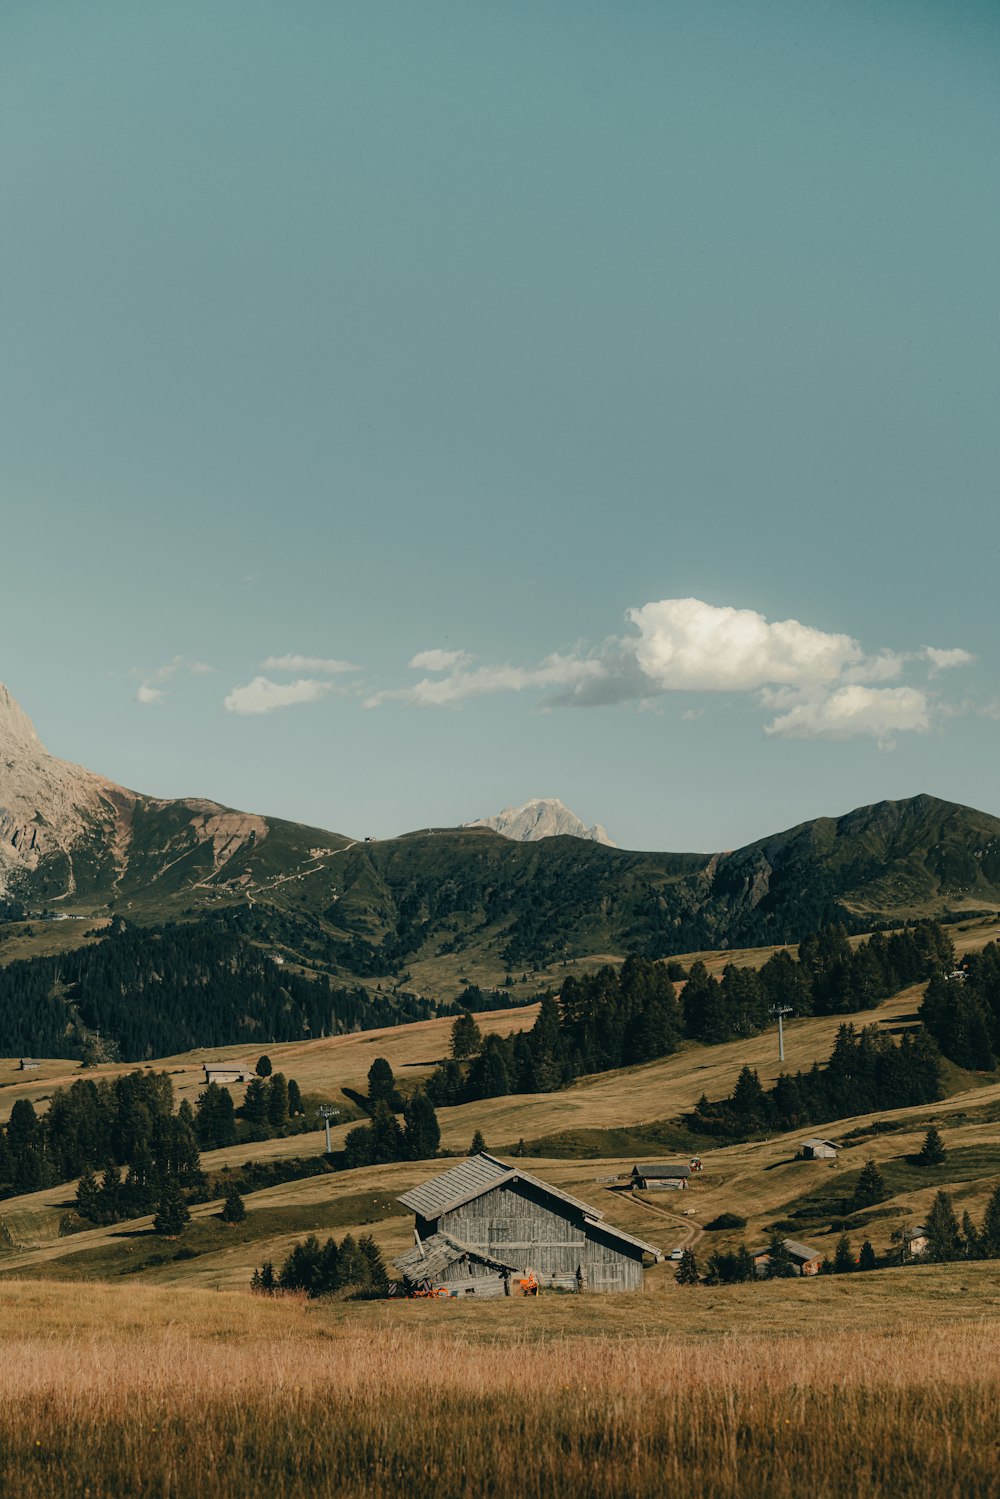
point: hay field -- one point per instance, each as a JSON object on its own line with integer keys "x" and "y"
{"x": 842, "y": 1391}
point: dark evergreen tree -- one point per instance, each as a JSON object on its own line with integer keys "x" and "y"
{"x": 843, "y": 1258}
{"x": 870, "y": 1187}
{"x": 687, "y": 1272}
{"x": 932, "y": 1152}
{"x": 377, "y": 1278}
{"x": 88, "y": 1196}
{"x": 867, "y": 1260}
{"x": 944, "y": 1241}
{"x": 263, "y": 1067}
{"x": 381, "y": 1083}
{"x": 295, "y": 1107}
{"x": 478, "y": 1143}
{"x": 422, "y": 1134}
{"x": 466, "y": 1038}
{"x": 277, "y": 1101}
{"x": 233, "y": 1208}
{"x": 780, "y": 1265}
{"x": 172, "y": 1213}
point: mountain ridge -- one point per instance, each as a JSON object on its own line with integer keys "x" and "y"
{"x": 439, "y": 902}
{"x": 541, "y": 817}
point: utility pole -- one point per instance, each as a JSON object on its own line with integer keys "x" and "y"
{"x": 326, "y": 1113}
{"x": 781, "y": 1011}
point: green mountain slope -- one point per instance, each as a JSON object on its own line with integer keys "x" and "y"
{"x": 458, "y": 899}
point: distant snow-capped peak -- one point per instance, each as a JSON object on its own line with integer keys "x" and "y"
{"x": 542, "y": 817}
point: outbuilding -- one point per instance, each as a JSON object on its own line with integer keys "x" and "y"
{"x": 483, "y": 1225}
{"x": 27, "y": 1064}
{"x": 663, "y": 1176}
{"x": 222, "y": 1074}
{"x": 818, "y": 1150}
{"x": 806, "y": 1261}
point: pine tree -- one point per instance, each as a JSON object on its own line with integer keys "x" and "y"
{"x": 989, "y": 1237}
{"x": 932, "y": 1152}
{"x": 377, "y": 1278}
{"x": 88, "y": 1196}
{"x": 478, "y": 1143}
{"x": 944, "y": 1242}
{"x": 687, "y": 1272}
{"x": 294, "y": 1099}
{"x": 277, "y": 1101}
{"x": 381, "y": 1083}
{"x": 386, "y": 1135}
{"x": 263, "y": 1067}
{"x": 172, "y": 1214}
{"x": 780, "y": 1265}
{"x": 871, "y": 1187}
{"x": 354, "y": 1267}
{"x": 233, "y": 1208}
{"x": 867, "y": 1260}
{"x": 262, "y": 1282}
{"x": 843, "y": 1259}
{"x": 255, "y": 1104}
{"x": 466, "y": 1038}
{"x": 422, "y": 1134}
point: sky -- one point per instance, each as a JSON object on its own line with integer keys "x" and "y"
{"x": 408, "y": 410}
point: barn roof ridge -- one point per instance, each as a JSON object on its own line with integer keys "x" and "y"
{"x": 479, "y": 1174}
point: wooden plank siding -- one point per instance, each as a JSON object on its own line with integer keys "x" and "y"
{"x": 514, "y": 1223}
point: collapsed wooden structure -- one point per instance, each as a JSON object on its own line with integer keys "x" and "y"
{"x": 483, "y": 1226}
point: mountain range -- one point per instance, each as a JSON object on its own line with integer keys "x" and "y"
{"x": 74, "y": 842}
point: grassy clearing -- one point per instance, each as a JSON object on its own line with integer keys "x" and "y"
{"x": 700, "y": 1394}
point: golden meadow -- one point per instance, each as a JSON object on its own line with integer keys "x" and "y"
{"x": 880, "y": 1385}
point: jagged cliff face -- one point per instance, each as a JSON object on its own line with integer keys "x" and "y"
{"x": 542, "y": 817}
{"x": 66, "y": 832}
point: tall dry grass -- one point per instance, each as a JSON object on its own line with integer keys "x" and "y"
{"x": 271, "y": 1401}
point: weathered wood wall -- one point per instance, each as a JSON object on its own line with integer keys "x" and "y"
{"x": 516, "y": 1226}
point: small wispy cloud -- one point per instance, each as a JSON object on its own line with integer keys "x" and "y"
{"x": 150, "y": 689}
{"x": 322, "y": 664}
{"x": 262, "y": 695}
{"x": 437, "y": 660}
{"x": 946, "y": 660}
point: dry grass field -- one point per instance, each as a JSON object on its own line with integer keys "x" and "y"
{"x": 877, "y": 1388}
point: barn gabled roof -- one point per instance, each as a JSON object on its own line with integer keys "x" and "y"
{"x": 480, "y": 1174}
{"x": 662, "y": 1171}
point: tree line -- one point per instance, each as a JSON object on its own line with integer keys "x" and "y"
{"x": 829, "y": 977}
{"x": 323, "y": 1269}
{"x": 145, "y": 992}
{"x": 961, "y": 1009}
{"x": 866, "y": 1071}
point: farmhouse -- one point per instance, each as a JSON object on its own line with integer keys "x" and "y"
{"x": 223, "y": 1074}
{"x": 666, "y": 1176}
{"x": 27, "y": 1064}
{"x": 806, "y": 1261}
{"x": 818, "y": 1150}
{"x": 915, "y": 1241}
{"x": 482, "y": 1225}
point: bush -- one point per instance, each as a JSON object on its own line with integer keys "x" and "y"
{"x": 727, "y": 1220}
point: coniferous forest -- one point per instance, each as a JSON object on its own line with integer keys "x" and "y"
{"x": 154, "y": 991}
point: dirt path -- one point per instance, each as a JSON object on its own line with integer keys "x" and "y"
{"x": 692, "y": 1231}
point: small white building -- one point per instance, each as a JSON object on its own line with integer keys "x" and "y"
{"x": 818, "y": 1150}
{"x": 27, "y": 1064}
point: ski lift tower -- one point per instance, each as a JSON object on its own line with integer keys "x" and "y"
{"x": 781, "y": 1011}
{"x": 326, "y": 1113}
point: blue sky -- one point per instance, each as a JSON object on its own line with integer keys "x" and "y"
{"x": 631, "y": 367}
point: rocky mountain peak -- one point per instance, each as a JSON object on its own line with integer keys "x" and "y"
{"x": 16, "y": 727}
{"x": 542, "y": 817}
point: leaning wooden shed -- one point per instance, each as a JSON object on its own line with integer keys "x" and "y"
{"x": 483, "y": 1223}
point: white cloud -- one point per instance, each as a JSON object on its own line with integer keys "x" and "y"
{"x": 264, "y": 696}
{"x": 562, "y": 673}
{"x": 945, "y": 660}
{"x": 818, "y": 683}
{"x": 439, "y": 660}
{"x": 149, "y": 689}
{"x": 686, "y": 644}
{"x": 854, "y": 710}
{"x": 322, "y": 664}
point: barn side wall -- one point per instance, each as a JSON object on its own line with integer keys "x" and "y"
{"x": 514, "y": 1224}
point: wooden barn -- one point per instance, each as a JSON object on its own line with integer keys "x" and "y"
{"x": 483, "y": 1225}
{"x": 806, "y": 1261}
{"x": 818, "y": 1150}
{"x": 663, "y": 1176}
